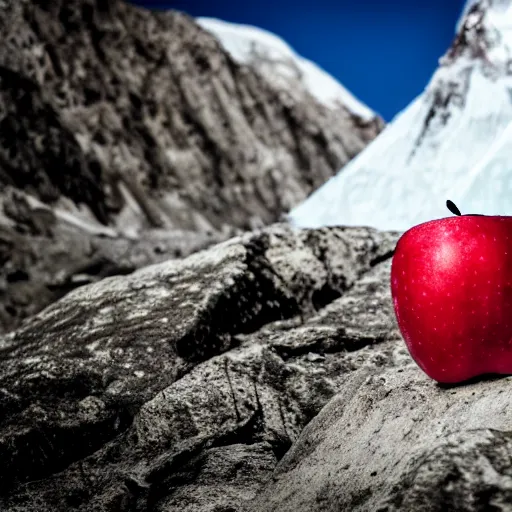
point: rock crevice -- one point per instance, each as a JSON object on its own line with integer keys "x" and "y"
{"x": 180, "y": 365}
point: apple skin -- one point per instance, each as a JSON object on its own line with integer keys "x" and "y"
{"x": 451, "y": 283}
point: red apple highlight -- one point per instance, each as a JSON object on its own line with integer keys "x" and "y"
{"x": 451, "y": 283}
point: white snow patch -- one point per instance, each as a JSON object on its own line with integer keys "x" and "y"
{"x": 279, "y": 63}
{"x": 452, "y": 142}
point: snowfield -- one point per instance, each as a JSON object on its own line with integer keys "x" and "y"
{"x": 452, "y": 142}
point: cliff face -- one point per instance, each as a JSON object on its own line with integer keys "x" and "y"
{"x": 129, "y": 136}
{"x": 143, "y": 117}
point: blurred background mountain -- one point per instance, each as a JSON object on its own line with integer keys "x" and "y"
{"x": 384, "y": 52}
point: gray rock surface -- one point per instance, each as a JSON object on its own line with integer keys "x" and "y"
{"x": 122, "y": 122}
{"x": 44, "y": 254}
{"x": 265, "y": 373}
{"x": 393, "y": 440}
{"x": 179, "y": 387}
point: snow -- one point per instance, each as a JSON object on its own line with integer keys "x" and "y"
{"x": 454, "y": 142}
{"x": 279, "y": 63}
{"x": 463, "y": 13}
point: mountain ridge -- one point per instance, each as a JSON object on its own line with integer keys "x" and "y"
{"x": 129, "y": 136}
{"x": 281, "y": 65}
{"x": 426, "y": 153}
{"x": 144, "y": 93}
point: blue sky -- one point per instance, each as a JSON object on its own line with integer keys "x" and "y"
{"x": 384, "y": 51}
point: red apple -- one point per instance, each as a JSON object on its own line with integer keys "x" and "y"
{"x": 451, "y": 283}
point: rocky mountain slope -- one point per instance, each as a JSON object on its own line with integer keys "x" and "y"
{"x": 283, "y": 68}
{"x": 198, "y": 140}
{"x": 179, "y": 387}
{"x": 129, "y": 136}
{"x": 452, "y": 142}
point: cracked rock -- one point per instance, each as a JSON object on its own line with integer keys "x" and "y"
{"x": 180, "y": 386}
{"x": 393, "y": 440}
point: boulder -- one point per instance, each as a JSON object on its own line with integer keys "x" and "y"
{"x": 180, "y": 386}
{"x": 392, "y": 440}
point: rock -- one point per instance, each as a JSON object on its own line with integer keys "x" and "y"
{"x": 222, "y": 477}
{"x": 148, "y": 120}
{"x": 394, "y": 440}
{"x": 123, "y": 122}
{"x": 179, "y": 386}
{"x": 44, "y": 254}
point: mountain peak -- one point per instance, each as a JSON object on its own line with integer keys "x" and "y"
{"x": 452, "y": 141}
{"x": 485, "y": 28}
{"x": 284, "y": 68}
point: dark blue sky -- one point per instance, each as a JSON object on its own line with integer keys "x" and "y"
{"x": 384, "y": 51}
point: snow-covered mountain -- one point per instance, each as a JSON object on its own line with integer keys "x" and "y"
{"x": 467, "y": 5}
{"x": 452, "y": 142}
{"x": 281, "y": 65}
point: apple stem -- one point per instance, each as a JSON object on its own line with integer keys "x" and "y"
{"x": 451, "y": 206}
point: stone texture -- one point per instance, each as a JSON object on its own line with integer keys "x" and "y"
{"x": 179, "y": 387}
{"x": 263, "y": 373}
{"x": 146, "y": 93}
{"x": 394, "y": 440}
{"x": 122, "y": 122}
{"x": 44, "y": 254}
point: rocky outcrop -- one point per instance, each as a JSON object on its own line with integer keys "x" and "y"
{"x": 394, "y": 440}
{"x": 45, "y": 253}
{"x": 122, "y": 122}
{"x": 180, "y": 386}
{"x": 264, "y": 373}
